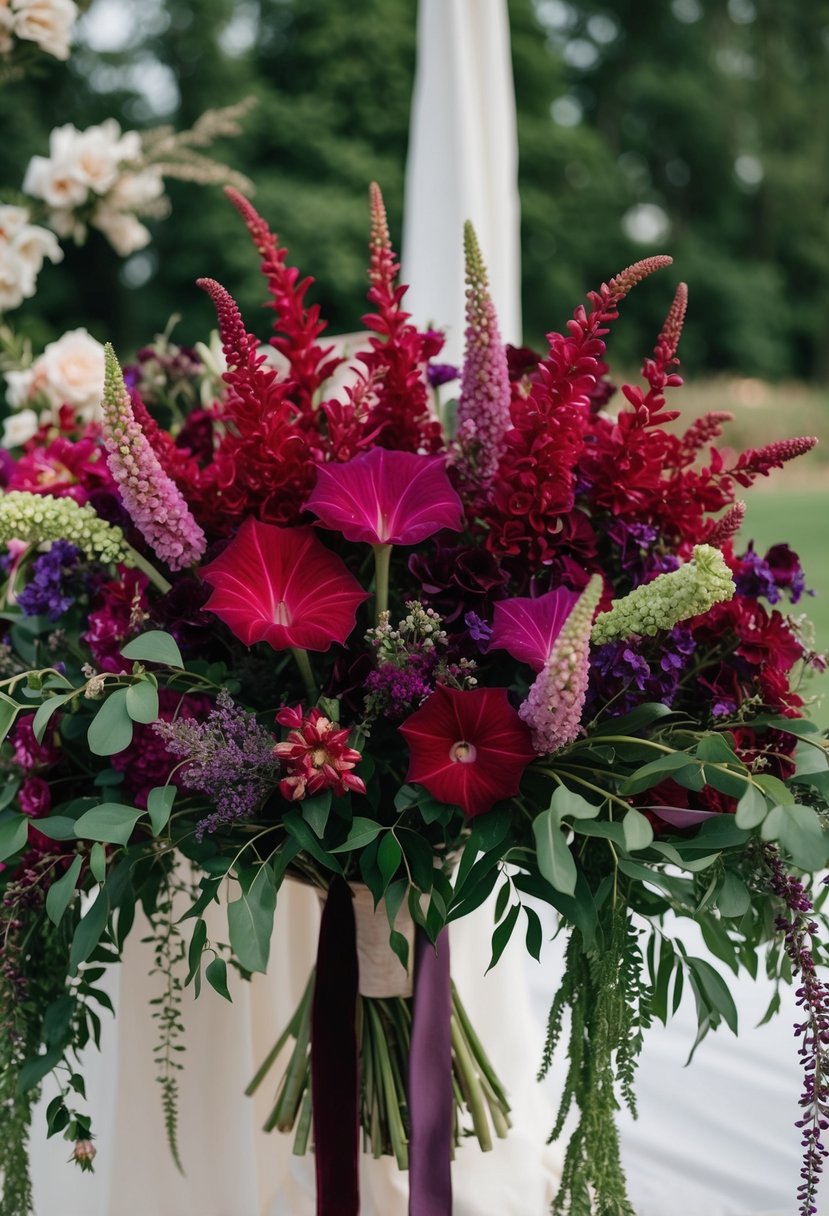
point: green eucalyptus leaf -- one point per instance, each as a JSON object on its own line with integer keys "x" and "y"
{"x": 733, "y": 898}
{"x": 14, "y": 832}
{"x": 751, "y": 809}
{"x": 567, "y": 804}
{"x": 250, "y": 921}
{"x": 111, "y": 822}
{"x": 8, "y": 712}
{"x": 800, "y": 833}
{"x": 216, "y": 976}
{"x": 361, "y": 833}
{"x": 555, "y": 861}
{"x": 315, "y": 812}
{"x": 98, "y": 862}
{"x": 155, "y": 646}
{"x": 61, "y": 892}
{"x": 637, "y": 829}
{"x": 389, "y": 856}
{"x": 142, "y": 702}
{"x": 88, "y": 931}
{"x": 159, "y": 805}
{"x": 535, "y": 935}
{"x": 111, "y": 729}
{"x": 502, "y": 934}
{"x": 45, "y": 711}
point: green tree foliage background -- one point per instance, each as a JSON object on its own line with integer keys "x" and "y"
{"x": 699, "y": 127}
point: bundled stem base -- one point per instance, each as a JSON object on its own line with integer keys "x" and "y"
{"x": 384, "y": 1035}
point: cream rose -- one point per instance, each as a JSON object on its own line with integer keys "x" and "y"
{"x": 48, "y": 23}
{"x": 18, "y": 428}
{"x": 23, "y": 246}
{"x": 71, "y": 372}
{"x": 122, "y": 229}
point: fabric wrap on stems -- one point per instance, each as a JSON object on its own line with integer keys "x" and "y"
{"x": 334, "y": 1071}
{"x": 430, "y": 1080}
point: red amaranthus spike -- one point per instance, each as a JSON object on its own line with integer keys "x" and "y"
{"x": 758, "y": 462}
{"x": 702, "y": 431}
{"x": 298, "y": 326}
{"x": 264, "y": 465}
{"x": 727, "y": 527}
{"x": 400, "y": 416}
{"x": 535, "y": 483}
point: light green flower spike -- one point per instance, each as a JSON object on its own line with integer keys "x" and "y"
{"x": 689, "y": 591}
{"x": 36, "y": 518}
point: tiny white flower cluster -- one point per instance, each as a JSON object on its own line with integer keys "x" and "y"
{"x": 69, "y": 372}
{"x": 23, "y": 246}
{"x": 46, "y": 23}
{"x": 96, "y": 176}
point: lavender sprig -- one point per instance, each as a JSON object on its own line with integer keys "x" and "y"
{"x": 229, "y": 756}
{"x": 813, "y": 997}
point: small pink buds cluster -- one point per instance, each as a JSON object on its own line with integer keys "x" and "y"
{"x": 555, "y": 702}
{"x": 154, "y": 502}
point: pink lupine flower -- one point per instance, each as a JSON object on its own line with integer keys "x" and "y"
{"x": 386, "y": 498}
{"x": 315, "y": 756}
{"x": 554, "y": 705}
{"x": 153, "y": 500}
{"x": 484, "y": 406}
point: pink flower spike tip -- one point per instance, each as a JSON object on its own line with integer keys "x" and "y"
{"x": 528, "y": 628}
{"x": 284, "y": 587}
{"x": 386, "y": 497}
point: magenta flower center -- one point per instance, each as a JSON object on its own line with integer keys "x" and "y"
{"x": 463, "y": 752}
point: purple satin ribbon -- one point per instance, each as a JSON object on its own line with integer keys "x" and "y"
{"x": 430, "y": 1080}
{"x": 334, "y": 1068}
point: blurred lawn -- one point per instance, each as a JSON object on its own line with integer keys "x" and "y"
{"x": 792, "y": 504}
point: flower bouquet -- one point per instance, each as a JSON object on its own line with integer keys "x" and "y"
{"x": 415, "y": 653}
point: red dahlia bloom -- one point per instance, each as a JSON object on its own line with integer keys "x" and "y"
{"x": 282, "y": 586}
{"x": 386, "y": 498}
{"x": 469, "y": 748}
{"x": 315, "y": 756}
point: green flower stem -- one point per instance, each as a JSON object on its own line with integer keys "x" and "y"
{"x": 291, "y": 1030}
{"x": 303, "y": 1127}
{"x": 382, "y": 560}
{"x": 304, "y": 665}
{"x": 471, "y": 1085}
{"x": 296, "y": 1076}
{"x": 140, "y": 563}
{"x": 500, "y": 1120}
{"x": 477, "y": 1050}
{"x": 395, "y": 1123}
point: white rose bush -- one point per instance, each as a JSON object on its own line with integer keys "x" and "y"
{"x": 31, "y": 26}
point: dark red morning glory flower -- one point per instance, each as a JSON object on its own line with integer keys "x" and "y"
{"x": 468, "y": 748}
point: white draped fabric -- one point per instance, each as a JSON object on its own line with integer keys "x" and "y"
{"x": 463, "y": 165}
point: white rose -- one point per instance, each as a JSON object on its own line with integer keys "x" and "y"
{"x": 122, "y": 229}
{"x": 54, "y": 181}
{"x": 32, "y": 244}
{"x": 18, "y": 428}
{"x": 12, "y": 218}
{"x": 19, "y": 387}
{"x": 46, "y": 22}
{"x": 133, "y": 191}
{"x": 71, "y": 372}
{"x": 98, "y": 153}
{"x": 11, "y": 280}
{"x": 23, "y": 246}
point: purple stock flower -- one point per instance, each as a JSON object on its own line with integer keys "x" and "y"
{"x": 768, "y": 576}
{"x": 441, "y": 373}
{"x": 54, "y": 582}
{"x": 228, "y": 756}
{"x": 623, "y": 676}
{"x": 479, "y": 631}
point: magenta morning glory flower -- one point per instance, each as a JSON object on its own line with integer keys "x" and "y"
{"x": 528, "y": 628}
{"x": 386, "y": 497}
